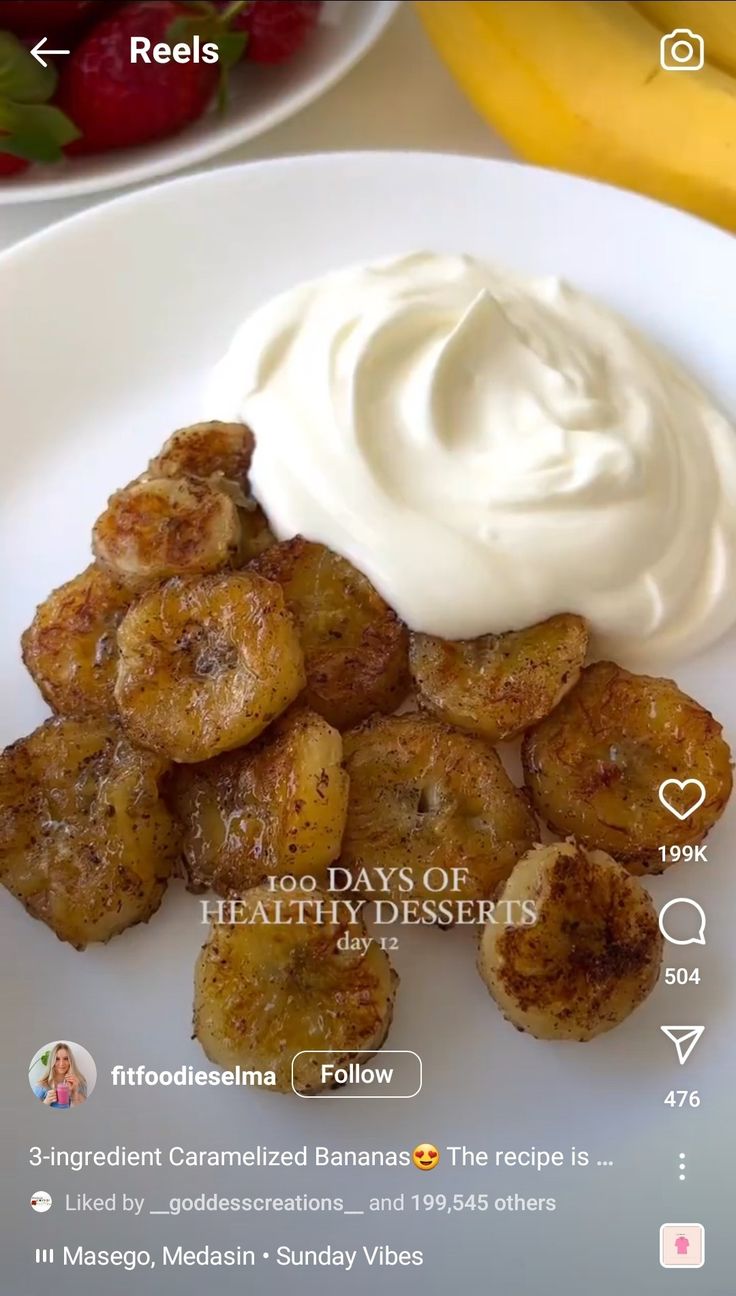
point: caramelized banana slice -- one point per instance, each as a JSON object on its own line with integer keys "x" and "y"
{"x": 206, "y": 663}
{"x": 86, "y": 842}
{"x": 255, "y": 534}
{"x": 167, "y": 526}
{"x": 591, "y": 958}
{"x": 595, "y": 765}
{"x": 275, "y": 807}
{"x": 207, "y": 450}
{"x": 499, "y": 685}
{"x": 289, "y": 979}
{"x": 424, "y": 798}
{"x": 355, "y": 647}
{"x": 220, "y": 453}
{"x": 70, "y": 647}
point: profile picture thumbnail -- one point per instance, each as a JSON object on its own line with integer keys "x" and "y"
{"x": 62, "y": 1075}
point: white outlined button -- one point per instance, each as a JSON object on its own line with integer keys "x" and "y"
{"x": 390, "y": 1073}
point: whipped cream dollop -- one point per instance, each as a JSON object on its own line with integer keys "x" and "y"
{"x": 490, "y": 450}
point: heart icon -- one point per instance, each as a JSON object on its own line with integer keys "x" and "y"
{"x": 682, "y": 784}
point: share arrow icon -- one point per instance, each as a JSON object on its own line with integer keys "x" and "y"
{"x": 684, "y": 1039}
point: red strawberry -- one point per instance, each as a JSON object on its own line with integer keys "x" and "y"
{"x": 118, "y": 104}
{"x": 42, "y": 16}
{"x": 10, "y": 165}
{"x": 277, "y": 28}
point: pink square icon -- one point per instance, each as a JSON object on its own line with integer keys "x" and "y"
{"x": 682, "y": 1246}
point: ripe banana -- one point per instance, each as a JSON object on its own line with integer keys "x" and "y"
{"x": 578, "y": 86}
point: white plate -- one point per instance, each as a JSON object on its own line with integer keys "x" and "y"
{"x": 108, "y": 325}
{"x": 261, "y": 97}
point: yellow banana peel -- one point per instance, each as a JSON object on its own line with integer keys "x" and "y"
{"x": 579, "y": 86}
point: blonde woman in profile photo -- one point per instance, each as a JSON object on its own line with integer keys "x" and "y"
{"x": 62, "y": 1085}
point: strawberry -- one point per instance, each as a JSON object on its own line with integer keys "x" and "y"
{"x": 118, "y": 104}
{"x": 31, "y": 129}
{"x": 277, "y": 28}
{"x": 43, "y": 16}
{"x": 10, "y": 165}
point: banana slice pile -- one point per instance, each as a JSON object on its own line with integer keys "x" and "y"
{"x": 225, "y": 709}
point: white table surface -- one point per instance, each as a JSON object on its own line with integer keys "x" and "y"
{"x": 399, "y": 97}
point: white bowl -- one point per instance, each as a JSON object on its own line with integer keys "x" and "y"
{"x": 261, "y": 97}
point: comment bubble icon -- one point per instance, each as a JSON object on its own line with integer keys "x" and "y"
{"x": 697, "y": 917}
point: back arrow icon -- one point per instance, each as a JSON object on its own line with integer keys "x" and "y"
{"x": 39, "y": 51}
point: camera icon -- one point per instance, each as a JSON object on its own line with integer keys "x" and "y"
{"x": 681, "y": 50}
